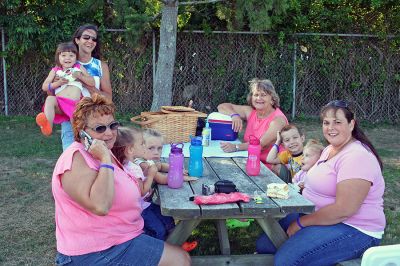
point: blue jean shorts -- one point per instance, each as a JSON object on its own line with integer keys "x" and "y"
{"x": 142, "y": 250}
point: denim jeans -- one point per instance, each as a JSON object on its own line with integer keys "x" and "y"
{"x": 318, "y": 245}
{"x": 67, "y": 134}
{"x": 141, "y": 250}
{"x": 155, "y": 224}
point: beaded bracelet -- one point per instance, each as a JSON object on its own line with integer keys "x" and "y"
{"x": 232, "y": 115}
{"x": 298, "y": 223}
{"x": 109, "y": 166}
{"x": 277, "y": 146}
{"x": 50, "y": 89}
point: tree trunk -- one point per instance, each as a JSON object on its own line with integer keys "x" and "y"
{"x": 162, "y": 87}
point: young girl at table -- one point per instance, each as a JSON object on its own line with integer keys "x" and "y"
{"x": 311, "y": 153}
{"x": 64, "y": 91}
{"x": 128, "y": 147}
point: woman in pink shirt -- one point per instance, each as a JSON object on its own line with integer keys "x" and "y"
{"x": 97, "y": 204}
{"x": 346, "y": 185}
{"x": 263, "y": 116}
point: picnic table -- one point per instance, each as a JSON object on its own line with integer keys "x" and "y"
{"x": 175, "y": 203}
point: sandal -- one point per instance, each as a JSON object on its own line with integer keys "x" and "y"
{"x": 189, "y": 246}
{"x": 44, "y": 124}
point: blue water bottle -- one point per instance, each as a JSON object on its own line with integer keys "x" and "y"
{"x": 196, "y": 157}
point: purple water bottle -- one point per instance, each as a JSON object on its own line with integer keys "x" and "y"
{"x": 175, "y": 173}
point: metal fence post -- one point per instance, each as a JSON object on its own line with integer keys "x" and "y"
{"x": 154, "y": 57}
{"x": 294, "y": 80}
{"x": 3, "y": 48}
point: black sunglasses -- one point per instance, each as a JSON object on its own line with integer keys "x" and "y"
{"x": 102, "y": 128}
{"x": 88, "y": 37}
{"x": 339, "y": 103}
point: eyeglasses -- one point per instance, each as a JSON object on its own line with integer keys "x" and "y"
{"x": 88, "y": 37}
{"x": 339, "y": 103}
{"x": 102, "y": 128}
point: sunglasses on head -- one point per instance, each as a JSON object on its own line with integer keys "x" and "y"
{"x": 339, "y": 103}
{"x": 88, "y": 37}
{"x": 102, "y": 128}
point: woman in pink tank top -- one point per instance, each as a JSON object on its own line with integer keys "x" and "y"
{"x": 263, "y": 116}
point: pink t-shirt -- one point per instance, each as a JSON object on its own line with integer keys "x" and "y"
{"x": 137, "y": 172}
{"x": 79, "y": 231}
{"x": 354, "y": 162}
{"x": 257, "y": 127}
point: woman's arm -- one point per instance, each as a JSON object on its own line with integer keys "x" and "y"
{"x": 350, "y": 194}
{"x": 93, "y": 190}
{"x": 84, "y": 77}
{"x": 239, "y": 112}
{"x": 269, "y": 137}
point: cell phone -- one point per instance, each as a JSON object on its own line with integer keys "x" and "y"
{"x": 86, "y": 136}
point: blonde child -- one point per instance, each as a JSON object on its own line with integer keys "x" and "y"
{"x": 63, "y": 84}
{"x": 153, "y": 141}
{"x": 128, "y": 147}
{"x": 311, "y": 153}
{"x": 287, "y": 163}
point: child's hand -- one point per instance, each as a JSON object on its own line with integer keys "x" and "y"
{"x": 278, "y": 138}
{"x": 189, "y": 178}
{"x": 185, "y": 172}
{"x": 152, "y": 170}
{"x": 61, "y": 82}
{"x": 301, "y": 185}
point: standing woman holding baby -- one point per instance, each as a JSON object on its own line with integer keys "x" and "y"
{"x": 87, "y": 40}
{"x": 263, "y": 116}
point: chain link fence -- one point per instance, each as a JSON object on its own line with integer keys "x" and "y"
{"x": 307, "y": 70}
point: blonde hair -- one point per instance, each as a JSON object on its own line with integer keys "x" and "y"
{"x": 315, "y": 146}
{"x": 126, "y": 136}
{"x": 266, "y": 86}
{"x": 149, "y": 132}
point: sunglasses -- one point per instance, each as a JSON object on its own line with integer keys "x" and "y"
{"x": 88, "y": 37}
{"x": 102, "y": 128}
{"x": 339, "y": 103}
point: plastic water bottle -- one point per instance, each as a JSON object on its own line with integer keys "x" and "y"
{"x": 253, "y": 159}
{"x": 176, "y": 159}
{"x": 206, "y": 134}
{"x": 196, "y": 157}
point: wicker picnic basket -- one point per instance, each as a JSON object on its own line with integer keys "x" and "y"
{"x": 175, "y": 123}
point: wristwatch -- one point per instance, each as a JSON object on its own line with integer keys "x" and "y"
{"x": 237, "y": 147}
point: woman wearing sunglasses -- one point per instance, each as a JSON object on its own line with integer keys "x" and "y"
{"x": 346, "y": 185}
{"x": 88, "y": 44}
{"x": 97, "y": 204}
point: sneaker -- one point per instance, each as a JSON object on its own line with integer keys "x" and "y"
{"x": 189, "y": 246}
{"x": 44, "y": 124}
{"x": 235, "y": 223}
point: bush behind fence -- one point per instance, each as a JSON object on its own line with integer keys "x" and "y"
{"x": 215, "y": 68}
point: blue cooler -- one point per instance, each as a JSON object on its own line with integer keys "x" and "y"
{"x": 221, "y": 127}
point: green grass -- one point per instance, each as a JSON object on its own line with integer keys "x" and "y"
{"x": 27, "y": 210}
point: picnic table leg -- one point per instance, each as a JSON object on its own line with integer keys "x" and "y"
{"x": 182, "y": 231}
{"x": 273, "y": 230}
{"x": 223, "y": 237}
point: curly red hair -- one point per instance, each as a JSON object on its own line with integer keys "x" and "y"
{"x": 96, "y": 105}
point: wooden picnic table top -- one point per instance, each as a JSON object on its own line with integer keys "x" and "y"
{"x": 176, "y": 203}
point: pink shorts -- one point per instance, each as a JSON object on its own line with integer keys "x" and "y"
{"x": 67, "y": 106}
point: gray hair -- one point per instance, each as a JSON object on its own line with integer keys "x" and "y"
{"x": 266, "y": 86}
